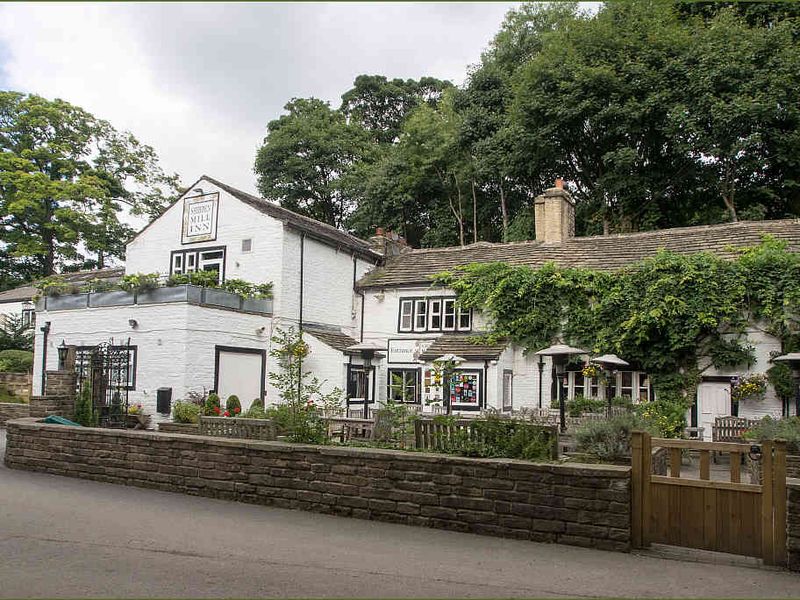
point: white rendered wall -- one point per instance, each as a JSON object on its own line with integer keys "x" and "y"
{"x": 150, "y": 251}
{"x": 175, "y": 343}
{"x": 13, "y": 309}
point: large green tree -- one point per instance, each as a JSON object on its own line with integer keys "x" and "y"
{"x": 307, "y": 159}
{"x": 65, "y": 178}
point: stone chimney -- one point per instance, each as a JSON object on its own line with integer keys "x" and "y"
{"x": 388, "y": 243}
{"x": 554, "y": 213}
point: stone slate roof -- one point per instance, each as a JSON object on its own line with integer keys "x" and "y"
{"x": 331, "y": 337}
{"x": 28, "y": 291}
{"x": 597, "y": 252}
{"x": 464, "y": 346}
{"x": 316, "y": 229}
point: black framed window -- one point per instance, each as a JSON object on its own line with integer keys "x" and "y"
{"x": 404, "y": 385}
{"x": 432, "y": 314}
{"x": 198, "y": 259}
{"x": 356, "y": 382}
{"x": 28, "y": 317}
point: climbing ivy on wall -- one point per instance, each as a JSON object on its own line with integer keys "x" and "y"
{"x": 673, "y": 314}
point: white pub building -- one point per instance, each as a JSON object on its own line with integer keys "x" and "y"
{"x": 342, "y": 292}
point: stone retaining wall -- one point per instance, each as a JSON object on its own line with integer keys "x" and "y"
{"x": 10, "y": 410}
{"x": 793, "y": 466}
{"x": 18, "y": 384}
{"x": 61, "y": 383}
{"x": 170, "y": 427}
{"x": 43, "y": 406}
{"x": 584, "y": 505}
{"x": 793, "y": 523}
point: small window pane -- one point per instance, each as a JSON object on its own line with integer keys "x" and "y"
{"x": 435, "y": 322}
{"x": 406, "y": 311}
{"x": 421, "y": 315}
{"x": 464, "y": 320}
{"x": 449, "y": 315}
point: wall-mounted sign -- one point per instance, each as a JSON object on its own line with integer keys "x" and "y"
{"x": 406, "y": 351}
{"x": 200, "y": 218}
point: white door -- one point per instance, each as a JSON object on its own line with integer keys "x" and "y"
{"x": 240, "y": 373}
{"x": 713, "y": 400}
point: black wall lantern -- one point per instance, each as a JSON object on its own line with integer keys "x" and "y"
{"x": 63, "y": 352}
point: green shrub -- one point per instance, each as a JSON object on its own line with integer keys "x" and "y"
{"x": 666, "y": 417}
{"x": 256, "y": 411}
{"x": 768, "y": 429}
{"x": 84, "y": 407}
{"x": 16, "y": 361}
{"x": 497, "y": 437}
{"x": 233, "y": 406}
{"x": 211, "y": 407}
{"x": 609, "y": 440}
{"x": 139, "y": 282}
{"x": 185, "y": 412}
{"x": 199, "y": 278}
{"x": 55, "y": 285}
{"x": 580, "y": 405}
{"x": 281, "y": 415}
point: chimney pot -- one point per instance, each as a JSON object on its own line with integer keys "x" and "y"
{"x": 379, "y": 231}
{"x": 559, "y": 183}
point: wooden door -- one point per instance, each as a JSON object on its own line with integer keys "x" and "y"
{"x": 713, "y": 400}
{"x": 723, "y": 516}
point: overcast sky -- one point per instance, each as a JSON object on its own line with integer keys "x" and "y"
{"x": 199, "y": 82}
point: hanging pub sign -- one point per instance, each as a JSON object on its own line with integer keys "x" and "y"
{"x": 200, "y": 218}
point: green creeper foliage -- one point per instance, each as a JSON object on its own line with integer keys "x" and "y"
{"x": 670, "y": 314}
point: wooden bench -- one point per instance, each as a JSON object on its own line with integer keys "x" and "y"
{"x": 729, "y": 429}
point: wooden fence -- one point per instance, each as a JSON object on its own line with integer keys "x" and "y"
{"x": 236, "y": 427}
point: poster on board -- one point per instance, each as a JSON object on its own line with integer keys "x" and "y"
{"x": 200, "y": 218}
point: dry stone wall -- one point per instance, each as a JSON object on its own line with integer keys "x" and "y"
{"x": 18, "y": 384}
{"x": 584, "y": 505}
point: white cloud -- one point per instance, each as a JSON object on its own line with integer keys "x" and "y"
{"x": 199, "y": 82}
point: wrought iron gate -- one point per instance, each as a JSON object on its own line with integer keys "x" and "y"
{"x": 106, "y": 369}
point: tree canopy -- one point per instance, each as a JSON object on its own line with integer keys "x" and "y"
{"x": 65, "y": 176}
{"x": 657, "y": 114}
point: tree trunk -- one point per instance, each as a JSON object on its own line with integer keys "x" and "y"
{"x": 727, "y": 195}
{"x": 101, "y": 259}
{"x": 504, "y": 211}
{"x": 474, "y": 214}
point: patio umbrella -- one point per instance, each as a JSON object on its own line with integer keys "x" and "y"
{"x": 610, "y": 361}
{"x": 556, "y": 351}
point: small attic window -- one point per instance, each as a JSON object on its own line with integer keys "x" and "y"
{"x": 247, "y": 245}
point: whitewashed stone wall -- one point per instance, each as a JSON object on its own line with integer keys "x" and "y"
{"x": 175, "y": 342}
{"x": 150, "y": 251}
{"x": 13, "y": 309}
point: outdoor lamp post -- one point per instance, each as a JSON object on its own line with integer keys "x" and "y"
{"x": 368, "y": 351}
{"x": 610, "y": 362}
{"x": 63, "y": 351}
{"x": 449, "y": 364}
{"x": 557, "y": 352}
{"x": 793, "y": 358}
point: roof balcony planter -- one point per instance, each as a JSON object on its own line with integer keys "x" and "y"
{"x": 115, "y": 298}
{"x": 214, "y": 297}
{"x": 178, "y": 293}
{"x": 68, "y": 302}
{"x": 257, "y": 305}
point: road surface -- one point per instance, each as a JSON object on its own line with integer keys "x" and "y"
{"x": 62, "y": 537}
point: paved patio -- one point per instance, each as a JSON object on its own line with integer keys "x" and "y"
{"x": 62, "y": 537}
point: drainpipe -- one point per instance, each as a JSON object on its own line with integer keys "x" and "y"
{"x": 45, "y": 332}
{"x": 541, "y": 373}
{"x": 300, "y": 319}
{"x": 485, "y": 399}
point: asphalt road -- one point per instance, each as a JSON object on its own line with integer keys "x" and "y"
{"x": 62, "y": 537}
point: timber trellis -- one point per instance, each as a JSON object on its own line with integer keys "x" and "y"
{"x": 432, "y": 435}
{"x": 723, "y": 516}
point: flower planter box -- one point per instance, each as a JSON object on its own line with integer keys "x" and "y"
{"x": 178, "y": 293}
{"x": 69, "y": 302}
{"x": 221, "y": 298}
{"x": 257, "y": 305}
{"x": 117, "y": 298}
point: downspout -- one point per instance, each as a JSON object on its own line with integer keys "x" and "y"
{"x": 300, "y": 318}
{"x": 361, "y": 295}
{"x": 486, "y": 383}
{"x": 45, "y": 332}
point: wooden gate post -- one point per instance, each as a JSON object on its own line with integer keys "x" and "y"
{"x": 767, "y": 506}
{"x": 779, "y": 499}
{"x": 637, "y": 443}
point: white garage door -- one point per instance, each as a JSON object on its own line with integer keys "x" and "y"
{"x": 713, "y": 400}
{"x": 240, "y": 373}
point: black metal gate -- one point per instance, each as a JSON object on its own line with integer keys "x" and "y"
{"x": 107, "y": 371}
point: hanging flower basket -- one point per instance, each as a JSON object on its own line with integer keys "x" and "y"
{"x": 590, "y": 370}
{"x": 750, "y": 387}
